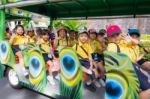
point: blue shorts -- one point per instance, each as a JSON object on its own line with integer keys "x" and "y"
{"x": 85, "y": 63}
{"x": 97, "y": 57}
{"x": 144, "y": 84}
{"x": 15, "y": 48}
{"x": 140, "y": 62}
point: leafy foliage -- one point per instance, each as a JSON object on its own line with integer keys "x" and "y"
{"x": 145, "y": 42}
{"x": 145, "y": 37}
{"x": 70, "y": 24}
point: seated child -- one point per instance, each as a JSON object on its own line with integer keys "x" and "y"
{"x": 84, "y": 52}
{"x": 46, "y": 48}
{"x": 100, "y": 37}
{"x": 135, "y": 34}
{"x": 73, "y": 37}
{"x": 7, "y": 34}
{"x": 56, "y": 62}
{"x": 123, "y": 44}
{"x": 98, "y": 58}
{"x": 61, "y": 39}
{"x": 31, "y": 36}
{"x": 17, "y": 39}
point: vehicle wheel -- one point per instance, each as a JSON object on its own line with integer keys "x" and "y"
{"x": 13, "y": 78}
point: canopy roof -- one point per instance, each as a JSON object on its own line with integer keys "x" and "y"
{"x": 84, "y": 8}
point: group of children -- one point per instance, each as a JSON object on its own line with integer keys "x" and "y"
{"x": 89, "y": 46}
{"x": 129, "y": 44}
{"x": 19, "y": 39}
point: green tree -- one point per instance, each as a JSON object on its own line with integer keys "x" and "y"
{"x": 70, "y": 24}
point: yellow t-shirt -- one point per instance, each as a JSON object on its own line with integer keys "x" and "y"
{"x": 81, "y": 52}
{"x": 134, "y": 53}
{"x": 32, "y": 39}
{"x": 19, "y": 40}
{"x": 126, "y": 48}
{"x": 62, "y": 44}
{"x": 96, "y": 46}
{"x": 73, "y": 41}
{"x": 112, "y": 47}
{"x": 45, "y": 46}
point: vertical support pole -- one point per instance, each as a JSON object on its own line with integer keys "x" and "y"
{"x": 2, "y": 24}
{"x": 2, "y": 34}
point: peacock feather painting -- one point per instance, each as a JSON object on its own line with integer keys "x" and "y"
{"x": 71, "y": 74}
{"x": 6, "y": 54}
{"x": 122, "y": 81}
{"x": 37, "y": 72}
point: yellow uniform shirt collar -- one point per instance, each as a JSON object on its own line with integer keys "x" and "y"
{"x": 19, "y": 36}
{"x": 81, "y": 44}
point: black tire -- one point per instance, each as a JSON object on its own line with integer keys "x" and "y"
{"x": 16, "y": 85}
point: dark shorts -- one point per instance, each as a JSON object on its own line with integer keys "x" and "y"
{"x": 15, "y": 48}
{"x": 46, "y": 58}
{"x": 56, "y": 53}
{"x": 140, "y": 62}
{"x": 144, "y": 84}
{"x": 85, "y": 63}
{"x": 97, "y": 57}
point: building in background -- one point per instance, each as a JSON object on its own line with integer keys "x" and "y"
{"x": 141, "y": 23}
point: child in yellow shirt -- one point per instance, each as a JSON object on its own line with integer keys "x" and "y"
{"x": 84, "y": 52}
{"x": 73, "y": 36}
{"x": 31, "y": 36}
{"x": 119, "y": 42}
{"x": 61, "y": 39}
{"x": 7, "y": 34}
{"x": 126, "y": 44}
{"x": 100, "y": 37}
{"x": 135, "y": 34}
{"x": 45, "y": 46}
{"x": 98, "y": 57}
{"x": 17, "y": 39}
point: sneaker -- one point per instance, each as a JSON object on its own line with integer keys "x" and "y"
{"x": 102, "y": 82}
{"x": 88, "y": 82}
{"x": 57, "y": 77}
{"x": 51, "y": 80}
{"x": 25, "y": 72}
{"x": 97, "y": 84}
{"x": 89, "y": 72}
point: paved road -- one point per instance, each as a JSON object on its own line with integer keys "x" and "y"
{"x": 7, "y": 92}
